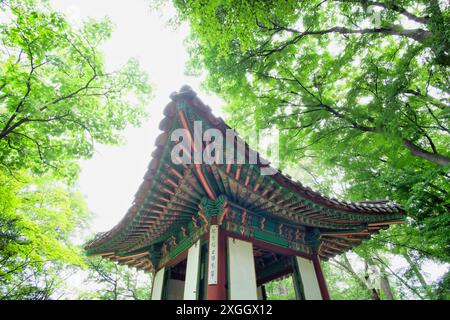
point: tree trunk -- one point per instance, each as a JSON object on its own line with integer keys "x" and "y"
{"x": 374, "y": 291}
{"x": 416, "y": 269}
{"x": 403, "y": 281}
{"x": 386, "y": 287}
{"x": 424, "y": 154}
{"x": 348, "y": 267}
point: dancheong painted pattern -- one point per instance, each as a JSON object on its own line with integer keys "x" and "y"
{"x": 175, "y": 203}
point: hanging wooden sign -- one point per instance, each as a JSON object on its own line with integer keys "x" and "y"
{"x": 212, "y": 258}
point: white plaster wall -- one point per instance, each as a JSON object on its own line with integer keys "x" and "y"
{"x": 192, "y": 271}
{"x": 158, "y": 283}
{"x": 242, "y": 275}
{"x": 309, "y": 279}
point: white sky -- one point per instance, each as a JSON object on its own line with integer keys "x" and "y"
{"x": 110, "y": 179}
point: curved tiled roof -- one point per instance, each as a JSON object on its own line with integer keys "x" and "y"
{"x": 186, "y": 95}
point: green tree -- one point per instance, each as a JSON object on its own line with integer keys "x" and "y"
{"x": 38, "y": 217}
{"x": 343, "y": 282}
{"x": 405, "y": 243}
{"x": 280, "y": 289}
{"x": 112, "y": 281}
{"x": 57, "y": 99}
{"x": 56, "y": 96}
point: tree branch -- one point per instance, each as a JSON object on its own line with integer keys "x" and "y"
{"x": 424, "y": 154}
{"x": 419, "y": 35}
{"x": 390, "y": 6}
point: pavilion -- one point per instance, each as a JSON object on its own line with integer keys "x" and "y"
{"x": 223, "y": 230}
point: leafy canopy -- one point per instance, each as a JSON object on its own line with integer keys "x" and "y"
{"x": 113, "y": 281}
{"x": 359, "y": 91}
{"x": 38, "y": 218}
{"x": 360, "y": 86}
{"x": 56, "y": 96}
{"x": 57, "y": 99}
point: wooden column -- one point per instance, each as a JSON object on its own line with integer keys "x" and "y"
{"x": 320, "y": 278}
{"x": 216, "y": 276}
{"x": 260, "y": 292}
{"x": 264, "y": 293}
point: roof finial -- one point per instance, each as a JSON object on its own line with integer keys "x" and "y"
{"x": 186, "y": 88}
{"x": 185, "y": 92}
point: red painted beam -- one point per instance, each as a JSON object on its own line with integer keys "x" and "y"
{"x": 198, "y": 167}
{"x": 320, "y": 278}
